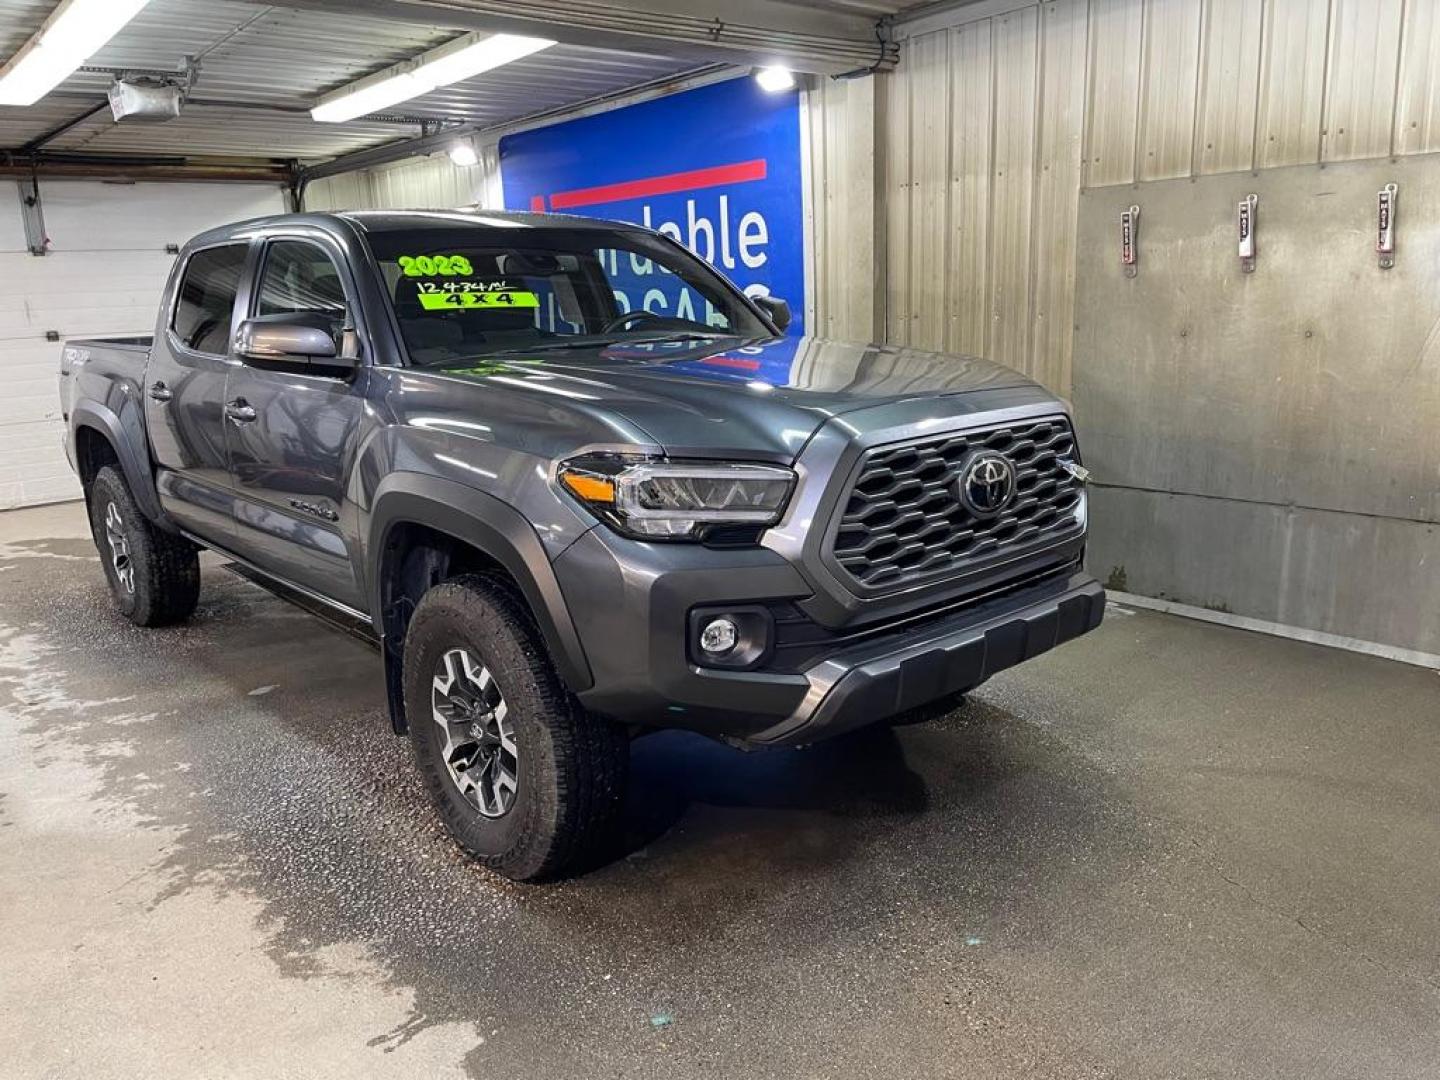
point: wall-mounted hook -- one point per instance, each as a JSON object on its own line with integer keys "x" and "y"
{"x": 1130, "y": 240}
{"x": 1386, "y": 205}
{"x": 1245, "y": 226}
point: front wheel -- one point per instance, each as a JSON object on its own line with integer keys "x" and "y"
{"x": 154, "y": 575}
{"x": 525, "y": 780}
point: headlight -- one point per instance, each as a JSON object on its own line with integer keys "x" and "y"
{"x": 677, "y": 500}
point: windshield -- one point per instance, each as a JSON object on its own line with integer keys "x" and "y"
{"x": 475, "y": 290}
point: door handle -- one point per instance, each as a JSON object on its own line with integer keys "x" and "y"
{"x": 160, "y": 392}
{"x": 239, "y": 411}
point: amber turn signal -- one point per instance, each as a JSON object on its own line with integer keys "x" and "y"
{"x": 587, "y": 486}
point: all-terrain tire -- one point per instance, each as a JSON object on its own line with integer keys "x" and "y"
{"x": 154, "y": 575}
{"x": 570, "y": 767}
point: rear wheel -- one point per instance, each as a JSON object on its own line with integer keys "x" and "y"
{"x": 525, "y": 780}
{"x": 154, "y": 575}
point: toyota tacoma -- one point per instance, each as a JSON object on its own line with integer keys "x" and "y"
{"x": 578, "y": 487}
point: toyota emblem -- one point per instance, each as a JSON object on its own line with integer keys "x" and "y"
{"x": 987, "y": 483}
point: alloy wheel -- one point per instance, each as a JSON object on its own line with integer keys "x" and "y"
{"x": 479, "y": 740}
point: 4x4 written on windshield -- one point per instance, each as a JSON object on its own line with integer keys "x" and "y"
{"x": 470, "y": 294}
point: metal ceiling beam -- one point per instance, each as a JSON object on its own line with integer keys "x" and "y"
{"x": 139, "y": 167}
{"x": 739, "y": 32}
{"x": 60, "y": 129}
{"x": 400, "y": 118}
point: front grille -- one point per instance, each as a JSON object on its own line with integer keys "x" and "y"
{"x": 903, "y": 519}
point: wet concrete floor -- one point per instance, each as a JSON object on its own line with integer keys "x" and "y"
{"x": 1169, "y": 849}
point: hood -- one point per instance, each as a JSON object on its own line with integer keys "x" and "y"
{"x": 762, "y": 398}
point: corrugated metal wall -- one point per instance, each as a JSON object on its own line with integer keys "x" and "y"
{"x": 846, "y": 270}
{"x": 415, "y": 183}
{"x": 994, "y": 125}
{"x": 1268, "y": 443}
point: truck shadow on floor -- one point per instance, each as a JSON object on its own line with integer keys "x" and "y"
{"x": 862, "y": 775}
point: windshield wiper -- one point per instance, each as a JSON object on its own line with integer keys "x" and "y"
{"x": 677, "y": 335}
{"x": 550, "y": 346}
{"x": 606, "y": 342}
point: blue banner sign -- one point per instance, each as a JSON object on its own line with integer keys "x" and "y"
{"x": 716, "y": 168}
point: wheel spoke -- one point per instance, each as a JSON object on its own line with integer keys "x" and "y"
{"x": 507, "y": 733}
{"x": 445, "y": 679}
{"x": 505, "y": 781}
{"x": 477, "y": 676}
{"x": 457, "y": 744}
{"x": 120, "y": 560}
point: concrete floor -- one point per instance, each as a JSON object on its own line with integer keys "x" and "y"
{"x": 1167, "y": 850}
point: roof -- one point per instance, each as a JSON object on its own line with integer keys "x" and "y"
{"x": 390, "y": 221}
{"x": 381, "y": 221}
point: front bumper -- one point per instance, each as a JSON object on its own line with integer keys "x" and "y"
{"x": 874, "y": 681}
{"x": 631, "y": 605}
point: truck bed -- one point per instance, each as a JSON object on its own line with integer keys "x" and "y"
{"x": 92, "y": 368}
{"x": 126, "y": 342}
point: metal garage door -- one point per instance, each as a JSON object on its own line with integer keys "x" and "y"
{"x": 103, "y": 275}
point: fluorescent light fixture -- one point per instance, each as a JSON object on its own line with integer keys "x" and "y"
{"x": 463, "y": 58}
{"x": 774, "y": 79}
{"x": 73, "y": 33}
{"x": 369, "y": 97}
{"x": 462, "y": 153}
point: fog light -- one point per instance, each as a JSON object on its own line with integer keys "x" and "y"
{"x": 719, "y": 637}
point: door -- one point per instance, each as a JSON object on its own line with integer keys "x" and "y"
{"x": 293, "y": 432}
{"x": 185, "y": 393}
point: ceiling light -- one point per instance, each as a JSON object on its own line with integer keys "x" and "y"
{"x": 463, "y": 58}
{"x": 74, "y": 32}
{"x": 475, "y": 54}
{"x": 463, "y": 154}
{"x": 368, "y": 98}
{"x": 774, "y": 79}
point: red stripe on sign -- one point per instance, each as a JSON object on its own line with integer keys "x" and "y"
{"x": 732, "y": 361}
{"x": 537, "y": 203}
{"x": 714, "y": 176}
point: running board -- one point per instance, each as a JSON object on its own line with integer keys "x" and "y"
{"x": 356, "y": 627}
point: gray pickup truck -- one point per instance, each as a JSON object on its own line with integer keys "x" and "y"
{"x": 578, "y": 487}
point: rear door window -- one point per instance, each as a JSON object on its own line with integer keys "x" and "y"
{"x": 206, "y": 300}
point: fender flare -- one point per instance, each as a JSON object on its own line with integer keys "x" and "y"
{"x": 492, "y": 527}
{"x": 130, "y": 448}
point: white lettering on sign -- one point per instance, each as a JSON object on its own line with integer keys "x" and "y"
{"x": 753, "y": 232}
{"x": 713, "y": 234}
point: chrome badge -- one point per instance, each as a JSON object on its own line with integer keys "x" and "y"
{"x": 987, "y": 484}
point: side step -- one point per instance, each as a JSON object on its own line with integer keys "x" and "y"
{"x": 360, "y": 629}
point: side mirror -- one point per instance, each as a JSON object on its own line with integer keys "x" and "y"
{"x": 775, "y": 309}
{"x": 291, "y": 338}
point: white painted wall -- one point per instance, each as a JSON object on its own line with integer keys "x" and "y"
{"x": 106, "y": 268}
